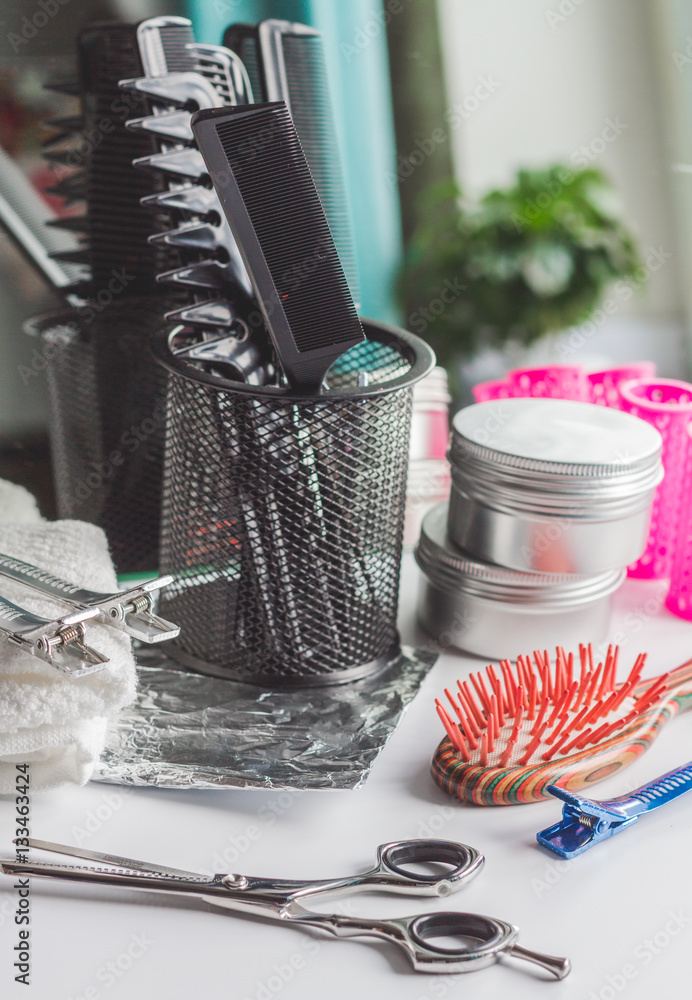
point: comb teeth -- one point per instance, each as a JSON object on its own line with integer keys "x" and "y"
{"x": 186, "y": 163}
{"x": 64, "y": 129}
{"x": 69, "y": 87}
{"x": 193, "y": 236}
{"x": 243, "y": 39}
{"x": 216, "y": 313}
{"x": 117, "y": 229}
{"x": 70, "y": 189}
{"x": 289, "y": 252}
{"x": 308, "y": 97}
{"x": 70, "y": 223}
{"x": 173, "y": 125}
{"x": 539, "y": 712}
{"x": 194, "y": 199}
{"x": 216, "y": 64}
{"x": 176, "y": 89}
{"x": 203, "y": 275}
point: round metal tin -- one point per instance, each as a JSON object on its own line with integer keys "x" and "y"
{"x": 497, "y": 612}
{"x": 551, "y": 485}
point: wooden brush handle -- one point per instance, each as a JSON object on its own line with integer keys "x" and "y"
{"x": 679, "y": 686}
{"x": 516, "y": 784}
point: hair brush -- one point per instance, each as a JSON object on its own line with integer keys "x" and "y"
{"x": 508, "y": 739}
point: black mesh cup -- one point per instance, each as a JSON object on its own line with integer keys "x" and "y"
{"x": 107, "y": 418}
{"x": 282, "y": 516}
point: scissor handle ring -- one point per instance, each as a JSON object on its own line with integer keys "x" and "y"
{"x": 466, "y": 862}
{"x": 487, "y": 936}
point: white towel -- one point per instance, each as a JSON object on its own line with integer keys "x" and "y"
{"x": 55, "y": 723}
{"x": 17, "y": 505}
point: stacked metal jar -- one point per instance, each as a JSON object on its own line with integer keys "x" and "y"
{"x": 550, "y": 502}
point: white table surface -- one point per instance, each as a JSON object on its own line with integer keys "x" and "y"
{"x": 622, "y": 912}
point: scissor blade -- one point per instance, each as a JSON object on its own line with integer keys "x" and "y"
{"x": 111, "y": 859}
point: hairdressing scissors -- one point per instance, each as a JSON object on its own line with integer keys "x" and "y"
{"x": 482, "y": 940}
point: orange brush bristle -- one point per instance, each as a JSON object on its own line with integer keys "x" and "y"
{"x": 512, "y": 731}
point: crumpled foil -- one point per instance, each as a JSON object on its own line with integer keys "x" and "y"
{"x": 191, "y": 731}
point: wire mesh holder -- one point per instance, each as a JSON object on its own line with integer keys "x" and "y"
{"x": 107, "y": 415}
{"x": 282, "y": 516}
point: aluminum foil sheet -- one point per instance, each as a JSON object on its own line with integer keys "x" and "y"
{"x": 191, "y": 731}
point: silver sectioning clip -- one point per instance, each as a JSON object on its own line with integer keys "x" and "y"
{"x": 60, "y": 642}
{"x": 176, "y": 88}
{"x": 129, "y": 611}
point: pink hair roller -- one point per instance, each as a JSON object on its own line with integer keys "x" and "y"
{"x": 554, "y": 382}
{"x": 604, "y": 384}
{"x": 667, "y": 404}
{"x": 497, "y": 388}
{"x": 679, "y": 599}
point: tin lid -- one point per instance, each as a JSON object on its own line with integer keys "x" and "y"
{"x": 556, "y": 437}
{"x": 527, "y": 453}
{"x": 451, "y": 568}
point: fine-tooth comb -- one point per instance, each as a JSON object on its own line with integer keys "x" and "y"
{"x": 202, "y": 239}
{"x": 509, "y": 739}
{"x": 115, "y": 229}
{"x": 287, "y": 62}
{"x": 261, "y": 175}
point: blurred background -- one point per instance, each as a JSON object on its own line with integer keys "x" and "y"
{"x": 519, "y": 173}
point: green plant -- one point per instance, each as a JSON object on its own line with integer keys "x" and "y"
{"x": 520, "y": 263}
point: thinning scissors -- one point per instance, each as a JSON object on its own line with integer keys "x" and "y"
{"x": 482, "y": 940}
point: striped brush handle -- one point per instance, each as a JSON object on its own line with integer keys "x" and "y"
{"x": 517, "y": 783}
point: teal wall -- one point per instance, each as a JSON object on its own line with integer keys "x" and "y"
{"x": 356, "y": 44}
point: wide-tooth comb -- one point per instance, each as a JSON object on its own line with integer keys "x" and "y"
{"x": 514, "y": 732}
{"x": 216, "y": 81}
{"x": 294, "y": 70}
{"x": 243, "y": 39}
{"x": 264, "y": 184}
{"x": 117, "y": 229}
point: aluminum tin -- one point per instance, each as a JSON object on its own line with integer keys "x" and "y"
{"x": 551, "y": 485}
{"x": 496, "y": 612}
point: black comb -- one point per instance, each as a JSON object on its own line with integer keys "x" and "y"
{"x": 117, "y": 228}
{"x": 287, "y": 62}
{"x": 243, "y": 39}
{"x": 265, "y": 187}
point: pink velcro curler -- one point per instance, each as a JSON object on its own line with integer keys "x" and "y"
{"x": 667, "y": 404}
{"x": 555, "y": 382}
{"x": 679, "y": 599}
{"x": 497, "y": 388}
{"x": 604, "y": 384}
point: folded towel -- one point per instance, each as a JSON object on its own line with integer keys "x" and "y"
{"x": 51, "y": 721}
{"x": 17, "y": 505}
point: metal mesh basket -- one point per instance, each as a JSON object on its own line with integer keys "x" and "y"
{"x": 282, "y": 516}
{"x": 107, "y": 417}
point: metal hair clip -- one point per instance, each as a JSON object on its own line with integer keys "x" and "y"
{"x": 175, "y": 88}
{"x": 59, "y": 643}
{"x": 129, "y": 611}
